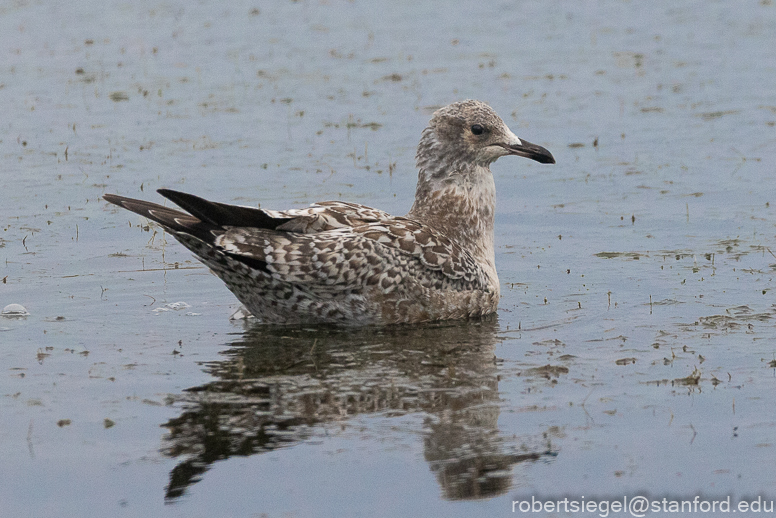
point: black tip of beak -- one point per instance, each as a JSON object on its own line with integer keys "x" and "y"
{"x": 543, "y": 158}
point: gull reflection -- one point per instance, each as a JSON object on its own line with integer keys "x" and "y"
{"x": 277, "y": 387}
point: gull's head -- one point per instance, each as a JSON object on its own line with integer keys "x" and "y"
{"x": 470, "y": 131}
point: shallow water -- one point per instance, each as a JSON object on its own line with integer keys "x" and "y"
{"x": 633, "y": 352}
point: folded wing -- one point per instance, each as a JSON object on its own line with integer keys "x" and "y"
{"x": 333, "y": 245}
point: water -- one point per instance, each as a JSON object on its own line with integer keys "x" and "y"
{"x": 633, "y": 352}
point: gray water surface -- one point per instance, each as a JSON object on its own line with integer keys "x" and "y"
{"x": 634, "y": 352}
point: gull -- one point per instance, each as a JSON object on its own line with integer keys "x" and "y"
{"x": 342, "y": 263}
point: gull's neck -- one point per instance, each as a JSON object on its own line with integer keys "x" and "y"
{"x": 457, "y": 198}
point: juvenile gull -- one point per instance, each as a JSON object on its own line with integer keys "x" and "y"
{"x": 343, "y": 263}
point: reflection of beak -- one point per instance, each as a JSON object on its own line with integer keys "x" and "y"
{"x": 528, "y": 150}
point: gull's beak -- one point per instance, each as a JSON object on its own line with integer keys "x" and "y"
{"x": 520, "y": 147}
{"x": 528, "y": 150}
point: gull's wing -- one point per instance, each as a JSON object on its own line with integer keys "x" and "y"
{"x": 380, "y": 253}
{"x": 339, "y": 245}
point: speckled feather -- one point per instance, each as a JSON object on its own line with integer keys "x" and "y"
{"x": 345, "y": 263}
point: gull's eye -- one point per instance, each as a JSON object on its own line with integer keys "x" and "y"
{"x": 477, "y": 129}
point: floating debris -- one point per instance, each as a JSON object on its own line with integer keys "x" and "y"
{"x": 628, "y": 255}
{"x": 172, "y": 306}
{"x": 692, "y": 379}
{"x": 177, "y": 306}
{"x": 15, "y": 310}
{"x": 548, "y": 371}
{"x": 241, "y": 314}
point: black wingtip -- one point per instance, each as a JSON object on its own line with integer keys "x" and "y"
{"x": 200, "y": 208}
{"x": 222, "y": 214}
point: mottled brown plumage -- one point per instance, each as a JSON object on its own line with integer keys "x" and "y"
{"x": 345, "y": 263}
